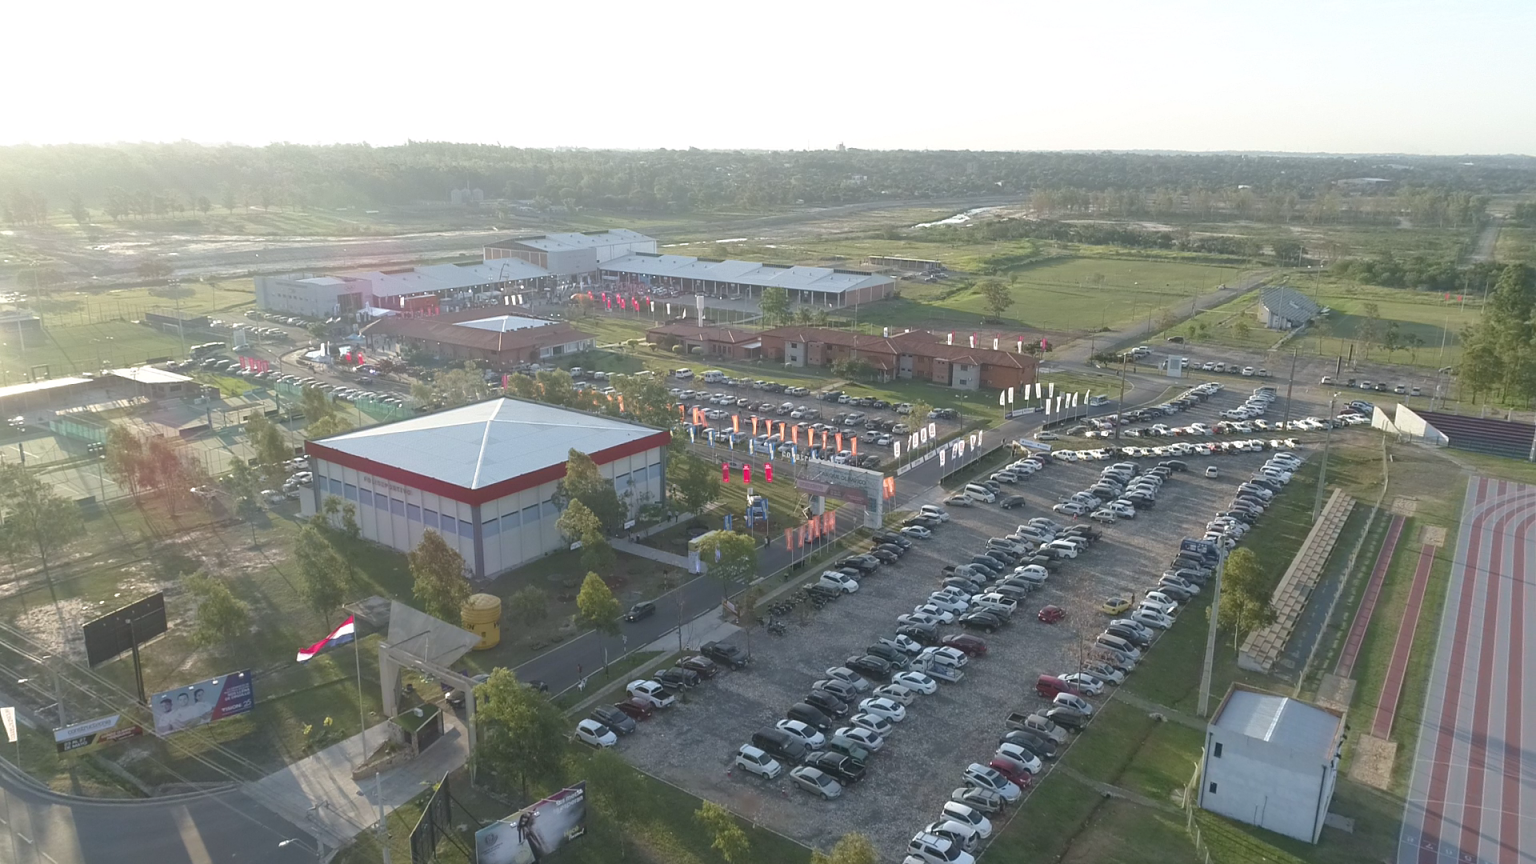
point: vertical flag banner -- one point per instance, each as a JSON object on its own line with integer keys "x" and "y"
{"x": 855, "y": 451}
{"x": 839, "y": 441}
{"x": 1052, "y": 390}
{"x": 768, "y": 473}
{"x": 895, "y": 449}
{"x": 754, "y": 424}
{"x": 746, "y": 473}
{"x": 994, "y": 343}
{"x": 1002, "y": 398}
{"x": 1010, "y": 395}
{"x": 736, "y": 423}
{"x": 933, "y": 430}
{"x": 789, "y": 538}
{"x": 951, "y": 338}
{"x": 725, "y": 473}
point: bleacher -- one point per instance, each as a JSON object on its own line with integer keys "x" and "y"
{"x": 1483, "y": 434}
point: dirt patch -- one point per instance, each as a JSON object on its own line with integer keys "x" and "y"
{"x": 1336, "y": 692}
{"x": 1372, "y": 761}
{"x": 1405, "y": 506}
{"x": 1433, "y": 535}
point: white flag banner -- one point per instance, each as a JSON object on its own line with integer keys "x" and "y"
{"x": 1051, "y": 391}
{"x": 1002, "y": 398}
{"x": 895, "y": 449}
{"x": 1010, "y": 395}
{"x": 1038, "y": 391}
{"x": 933, "y": 430}
{"x": 8, "y": 718}
{"x": 994, "y": 343}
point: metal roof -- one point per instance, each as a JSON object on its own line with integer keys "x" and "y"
{"x": 574, "y": 240}
{"x": 1289, "y": 303}
{"x": 488, "y": 443}
{"x": 434, "y": 278}
{"x": 150, "y": 375}
{"x": 1281, "y": 721}
{"x": 505, "y": 323}
{"x": 745, "y": 272}
{"x": 40, "y": 386}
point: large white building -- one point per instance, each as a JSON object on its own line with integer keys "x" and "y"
{"x": 322, "y": 296}
{"x": 482, "y": 476}
{"x": 821, "y": 286}
{"x": 1271, "y": 761}
{"x": 571, "y": 254}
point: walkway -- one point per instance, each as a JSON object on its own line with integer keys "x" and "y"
{"x": 668, "y": 558}
{"x": 1362, "y": 623}
{"x": 320, "y": 794}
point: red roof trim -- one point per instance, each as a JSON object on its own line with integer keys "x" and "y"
{"x": 489, "y": 493}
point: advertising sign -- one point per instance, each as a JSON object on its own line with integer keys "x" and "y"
{"x": 535, "y": 833}
{"x": 101, "y": 730}
{"x": 117, "y": 631}
{"x": 202, "y": 703}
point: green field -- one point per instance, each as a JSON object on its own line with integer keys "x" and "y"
{"x": 1517, "y": 243}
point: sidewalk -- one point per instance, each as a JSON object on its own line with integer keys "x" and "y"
{"x": 319, "y": 794}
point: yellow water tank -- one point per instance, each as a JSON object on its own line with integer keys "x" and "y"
{"x": 481, "y": 615}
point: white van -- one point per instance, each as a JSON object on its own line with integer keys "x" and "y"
{"x": 682, "y": 374}
{"x": 714, "y": 376}
{"x": 979, "y": 493}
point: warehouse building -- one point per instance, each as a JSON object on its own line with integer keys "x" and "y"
{"x": 400, "y": 289}
{"x": 502, "y": 339}
{"x": 915, "y": 354}
{"x": 820, "y": 286}
{"x": 571, "y": 254}
{"x": 483, "y": 476}
{"x": 1271, "y": 761}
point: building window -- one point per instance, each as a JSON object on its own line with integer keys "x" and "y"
{"x": 1213, "y": 788}
{"x": 381, "y": 501}
{"x": 351, "y": 492}
{"x": 397, "y": 507}
{"x": 548, "y": 508}
{"x": 530, "y": 514}
{"x": 412, "y": 512}
{"x": 365, "y": 497}
{"x": 1216, "y": 751}
{"x": 450, "y": 525}
{"x": 490, "y": 527}
{"x": 429, "y": 518}
{"x": 511, "y": 520}
{"x": 466, "y": 529}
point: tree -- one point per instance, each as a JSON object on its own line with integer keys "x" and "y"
{"x": 37, "y": 519}
{"x": 584, "y": 482}
{"x": 695, "y": 483}
{"x": 775, "y": 305}
{"x": 221, "y": 616}
{"x": 729, "y": 557}
{"x": 77, "y": 210}
{"x": 453, "y": 387}
{"x": 438, "y": 569}
{"x": 578, "y": 524}
{"x": 333, "y": 424}
{"x": 851, "y": 367}
{"x": 852, "y": 848}
{"x": 729, "y": 840}
{"x": 1244, "y": 595}
{"x": 154, "y": 269}
{"x": 596, "y": 607}
{"x": 522, "y": 733}
{"x": 272, "y": 450}
{"x": 995, "y": 297}
{"x": 1242, "y": 328}
{"x": 1289, "y": 253}
{"x": 124, "y": 458}
{"x": 341, "y": 515}
{"x": 529, "y": 605}
{"x": 320, "y": 571}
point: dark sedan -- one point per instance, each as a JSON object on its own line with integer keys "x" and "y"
{"x": 883, "y": 556}
{"x": 971, "y": 645}
{"x": 1039, "y": 745}
{"x": 1011, "y": 502}
{"x": 827, "y": 703}
{"x": 1135, "y": 637}
{"x": 677, "y": 679}
{"x": 983, "y": 621}
{"x": 1067, "y": 718}
{"x": 927, "y": 634}
{"x": 613, "y": 718}
{"x": 640, "y": 610}
{"x": 869, "y": 666}
{"x": 704, "y": 666}
{"x": 896, "y": 658}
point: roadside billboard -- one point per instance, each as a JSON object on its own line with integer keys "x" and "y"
{"x": 116, "y": 632}
{"x": 202, "y": 703}
{"x": 537, "y": 832}
{"x": 102, "y": 730}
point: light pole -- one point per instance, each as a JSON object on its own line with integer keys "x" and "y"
{"x": 1322, "y": 473}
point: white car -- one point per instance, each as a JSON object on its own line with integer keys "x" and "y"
{"x": 928, "y": 848}
{"x": 861, "y": 736}
{"x": 1104, "y": 672}
{"x": 1161, "y": 602}
{"x": 1070, "y": 508}
{"x": 1060, "y": 549}
{"x": 896, "y": 693}
{"x": 872, "y": 722}
{"x": 652, "y": 692}
{"x": 948, "y": 602}
{"x": 1103, "y": 516}
{"x": 804, "y": 732}
{"x": 1121, "y": 508}
{"x": 917, "y": 682}
{"x": 1151, "y": 618}
{"x": 884, "y": 708}
{"x": 1084, "y": 682}
{"x": 596, "y": 734}
{"x": 917, "y": 531}
{"x": 1018, "y": 754}
{"x": 755, "y": 761}
{"x": 849, "y": 677}
{"x": 1076, "y": 703}
{"x": 980, "y": 776}
{"x": 965, "y": 814}
{"x": 947, "y": 655}
{"x": 933, "y": 511}
{"x": 918, "y": 618}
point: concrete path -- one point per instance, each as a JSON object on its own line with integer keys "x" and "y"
{"x": 1173, "y": 715}
{"x": 668, "y": 558}
{"x": 1109, "y": 790}
{"x": 319, "y": 793}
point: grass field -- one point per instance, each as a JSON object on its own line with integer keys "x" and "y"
{"x": 1517, "y": 243}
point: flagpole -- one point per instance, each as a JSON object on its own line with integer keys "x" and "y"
{"x": 362, "y": 714}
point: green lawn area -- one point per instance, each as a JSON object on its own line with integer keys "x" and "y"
{"x": 70, "y": 350}
{"x": 1059, "y": 295}
{"x": 1516, "y": 243}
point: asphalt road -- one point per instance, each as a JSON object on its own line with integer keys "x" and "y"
{"x": 1471, "y": 796}
{"x": 43, "y": 828}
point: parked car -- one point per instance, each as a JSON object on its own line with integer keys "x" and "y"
{"x": 652, "y": 692}
{"x": 754, "y": 761}
{"x": 596, "y": 734}
{"x": 640, "y": 610}
{"x": 816, "y": 781}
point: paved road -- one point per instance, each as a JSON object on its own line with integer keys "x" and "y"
{"x": 42, "y": 828}
{"x": 1472, "y": 797}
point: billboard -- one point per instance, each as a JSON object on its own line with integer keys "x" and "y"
{"x": 535, "y": 833}
{"x": 113, "y": 727}
{"x": 116, "y": 632}
{"x": 202, "y": 703}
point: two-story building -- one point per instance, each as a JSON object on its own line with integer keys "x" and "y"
{"x": 914, "y": 355}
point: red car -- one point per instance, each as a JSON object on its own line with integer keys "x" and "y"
{"x": 1015, "y": 773}
{"x": 636, "y": 708}
{"x": 973, "y": 646}
{"x": 1052, "y": 614}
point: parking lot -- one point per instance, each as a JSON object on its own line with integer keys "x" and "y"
{"x": 693, "y": 743}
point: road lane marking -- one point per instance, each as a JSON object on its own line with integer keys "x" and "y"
{"x": 196, "y": 851}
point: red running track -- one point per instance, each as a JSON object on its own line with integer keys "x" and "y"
{"x": 1392, "y": 686}
{"x": 1471, "y": 798}
{"x": 1362, "y": 623}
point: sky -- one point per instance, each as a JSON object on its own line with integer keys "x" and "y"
{"x": 1348, "y": 76}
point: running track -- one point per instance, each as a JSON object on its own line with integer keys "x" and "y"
{"x": 1346, "y": 665}
{"x": 1392, "y": 686}
{"x": 1472, "y": 796}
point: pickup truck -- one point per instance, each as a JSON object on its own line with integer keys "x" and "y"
{"x": 1038, "y": 724}
{"x": 725, "y": 655}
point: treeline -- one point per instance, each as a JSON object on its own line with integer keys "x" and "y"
{"x": 1288, "y": 252}
{"x": 1418, "y": 272}
{"x": 1500, "y": 352}
{"x": 200, "y": 177}
{"x": 1524, "y": 214}
{"x": 1428, "y": 206}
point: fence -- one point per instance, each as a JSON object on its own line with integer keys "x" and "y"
{"x": 1202, "y": 851}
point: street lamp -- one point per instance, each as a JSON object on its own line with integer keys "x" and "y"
{"x": 1322, "y": 473}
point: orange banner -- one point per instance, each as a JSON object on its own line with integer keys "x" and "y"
{"x": 839, "y": 442}
{"x": 789, "y": 538}
{"x": 855, "y": 447}
{"x": 794, "y": 435}
{"x": 754, "y": 425}
{"x": 736, "y": 423}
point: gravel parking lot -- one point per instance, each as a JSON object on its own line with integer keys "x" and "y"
{"x": 693, "y": 743}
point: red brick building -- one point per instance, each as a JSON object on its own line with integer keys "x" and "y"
{"x": 916, "y": 354}
{"x": 725, "y": 342}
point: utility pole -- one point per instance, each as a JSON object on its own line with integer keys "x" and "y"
{"x": 1121, "y": 405}
{"x": 1322, "y": 473}
{"x": 1210, "y": 636}
{"x": 380, "y": 830}
{"x": 1288, "y": 388}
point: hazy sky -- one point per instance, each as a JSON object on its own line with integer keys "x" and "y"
{"x": 1454, "y": 76}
